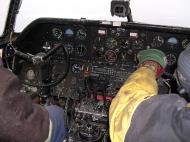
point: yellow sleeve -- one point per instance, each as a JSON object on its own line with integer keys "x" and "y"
{"x": 140, "y": 86}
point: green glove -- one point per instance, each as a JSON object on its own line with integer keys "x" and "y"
{"x": 152, "y": 55}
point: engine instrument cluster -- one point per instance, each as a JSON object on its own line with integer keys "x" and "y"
{"x": 102, "y": 56}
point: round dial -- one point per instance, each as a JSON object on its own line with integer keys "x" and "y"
{"x": 111, "y": 43}
{"x": 69, "y": 47}
{"x": 172, "y": 42}
{"x": 69, "y": 33}
{"x": 110, "y": 56}
{"x": 124, "y": 43}
{"x": 76, "y": 68}
{"x": 171, "y": 59}
{"x": 120, "y": 31}
{"x": 30, "y": 74}
{"x": 157, "y": 41}
{"x": 57, "y": 33}
{"x": 81, "y": 50}
{"x": 185, "y": 42}
{"x": 81, "y": 34}
{"x": 139, "y": 44}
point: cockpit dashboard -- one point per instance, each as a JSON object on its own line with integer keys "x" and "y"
{"x": 102, "y": 55}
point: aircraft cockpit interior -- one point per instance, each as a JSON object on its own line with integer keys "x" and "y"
{"x": 80, "y": 64}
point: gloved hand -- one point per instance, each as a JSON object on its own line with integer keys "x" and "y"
{"x": 153, "y": 59}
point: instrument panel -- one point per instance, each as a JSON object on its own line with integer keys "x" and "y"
{"x": 102, "y": 55}
{"x": 104, "y": 43}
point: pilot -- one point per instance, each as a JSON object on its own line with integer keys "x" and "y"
{"x": 23, "y": 121}
{"x": 138, "y": 114}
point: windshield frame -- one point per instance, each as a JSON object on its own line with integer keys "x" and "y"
{"x": 82, "y": 12}
{"x": 4, "y": 10}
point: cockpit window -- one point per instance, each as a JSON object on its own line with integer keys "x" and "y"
{"x": 4, "y": 8}
{"x": 162, "y": 12}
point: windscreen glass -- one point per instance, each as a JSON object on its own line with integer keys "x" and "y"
{"x": 161, "y": 12}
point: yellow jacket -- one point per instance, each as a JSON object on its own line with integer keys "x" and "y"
{"x": 140, "y": 86}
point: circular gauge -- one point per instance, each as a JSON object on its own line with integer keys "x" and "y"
{"x": 185, "y": 42}
{"x": 120, "y": 31}
{"x": 57, "y": 33}
{"x": 157, "y": 41}
{"x": 69, "y": 33}
{"x": 124, "y": 43}
{"x": 81, "y": 50}
{"x": 76, "y": 68}
{"x": 172, "y": 42}
{"x": 139, "y": 44}
{"x": 69, "y": 47}
{"x": 171, "y": 59}
{"x": 81, "y": 34}
{"x": 110, "y": 56}
{"x": 30, "y": 74}
{"x": 100, "y": 52}
{"x": 111, "y": 43}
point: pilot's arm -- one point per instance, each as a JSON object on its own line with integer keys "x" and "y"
{"x": 23, "y": 121}
{"x": 138, "y": 114}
